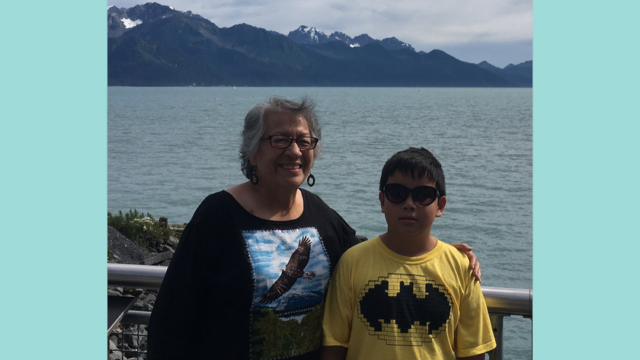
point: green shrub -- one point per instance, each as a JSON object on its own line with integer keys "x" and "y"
{"x": 143, "y": 230}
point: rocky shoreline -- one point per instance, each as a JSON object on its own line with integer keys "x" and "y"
{"x": 125, "y": 251}
{"x": 128, "y": 341}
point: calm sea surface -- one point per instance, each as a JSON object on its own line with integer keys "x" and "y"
{"x": 171, "y": 147}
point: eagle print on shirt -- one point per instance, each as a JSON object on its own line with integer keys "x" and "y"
{"x": 291, "y": 274}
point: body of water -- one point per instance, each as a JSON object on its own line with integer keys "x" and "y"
{"x": 171, "y": 147}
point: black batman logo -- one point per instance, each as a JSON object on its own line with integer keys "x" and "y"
{"x": 392, "y": 305}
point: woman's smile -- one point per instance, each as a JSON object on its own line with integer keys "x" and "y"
{"x": 291, "y": 167}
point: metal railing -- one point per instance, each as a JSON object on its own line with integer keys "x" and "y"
{"x": 501, "y": 302}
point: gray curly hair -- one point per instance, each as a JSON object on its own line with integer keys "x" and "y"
{"x": 254, "y": 126}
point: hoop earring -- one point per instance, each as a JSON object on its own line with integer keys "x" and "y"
{"x": 254, "y": 176}
{"x": 311, "y": 180}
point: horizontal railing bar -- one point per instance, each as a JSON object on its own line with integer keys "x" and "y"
{"x": 508, "y": 301}
{"x": 505, "y": 301}
{"x": 135, "y": 276}
{"x": 136, "y": 317}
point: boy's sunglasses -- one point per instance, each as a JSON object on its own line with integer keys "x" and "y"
{"x": 421, "y": 195}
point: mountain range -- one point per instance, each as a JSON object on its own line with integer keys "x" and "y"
{"x": 306, "y": 35}
{"x": 156, "y": 45}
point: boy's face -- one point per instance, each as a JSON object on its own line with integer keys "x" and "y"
{"x": 409, "y": 218}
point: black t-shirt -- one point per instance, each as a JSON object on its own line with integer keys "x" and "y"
{"x": 241, "y": 287}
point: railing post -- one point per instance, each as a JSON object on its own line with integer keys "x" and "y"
{"x": 496, "y": 325}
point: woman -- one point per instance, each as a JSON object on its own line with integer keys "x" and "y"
{"x": 250, "y": 272}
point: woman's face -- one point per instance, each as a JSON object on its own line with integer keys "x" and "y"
{"x": 278, "y": 168}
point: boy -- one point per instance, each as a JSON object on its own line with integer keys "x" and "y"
{"x": 405, "y": 294}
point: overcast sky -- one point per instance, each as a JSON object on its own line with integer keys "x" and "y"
{"x": 498, "y": 31}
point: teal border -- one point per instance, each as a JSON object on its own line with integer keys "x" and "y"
{"x": 53, "y": 164}
{"x": 585, "y": 179}
{"x": 53, "y": 155}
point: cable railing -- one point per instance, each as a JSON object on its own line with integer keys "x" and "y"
{"x": 500, "y": 302}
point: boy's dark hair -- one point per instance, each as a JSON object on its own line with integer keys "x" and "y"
{"x": 416, "y": 162}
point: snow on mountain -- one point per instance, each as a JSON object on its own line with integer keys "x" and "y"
{"x": 121, "y": 20}
{"x": 307, "y": 35}
{"x": 128, "y": 23}
{"x": 311, "y": 35}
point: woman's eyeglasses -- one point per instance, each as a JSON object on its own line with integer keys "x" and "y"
{"x": 421, "y": 195}
{"x": 283, "y": 141}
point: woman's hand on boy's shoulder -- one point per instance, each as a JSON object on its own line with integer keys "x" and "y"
{"x": 474, "y": 264}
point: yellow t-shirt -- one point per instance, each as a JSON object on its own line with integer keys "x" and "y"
{"x": 382, "y": 305}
